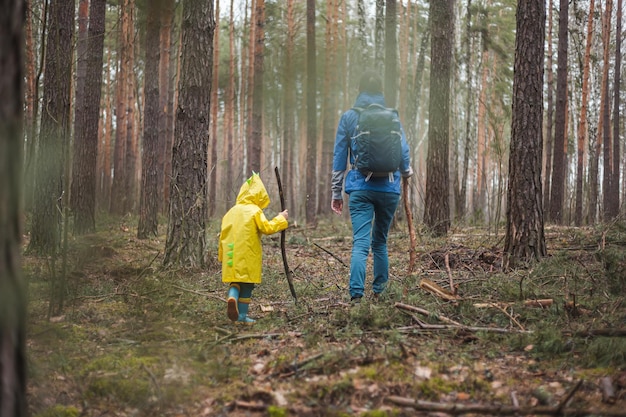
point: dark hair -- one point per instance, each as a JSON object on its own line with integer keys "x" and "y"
{"x": 370, "y": 83}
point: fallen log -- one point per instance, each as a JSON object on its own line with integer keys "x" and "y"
{"x": 498, "y": 410}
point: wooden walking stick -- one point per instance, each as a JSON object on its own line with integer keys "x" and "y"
{"x": 409, "y": 220}
{"x": 282, "y": 237}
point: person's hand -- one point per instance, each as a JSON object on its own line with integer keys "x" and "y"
{"x": 337, "y": 206}
{"x": 285, "y": 214}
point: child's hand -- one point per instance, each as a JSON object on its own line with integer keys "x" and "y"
{"x": 285, "y": 214}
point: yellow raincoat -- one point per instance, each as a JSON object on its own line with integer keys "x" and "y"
{"x": 240, "y": 248}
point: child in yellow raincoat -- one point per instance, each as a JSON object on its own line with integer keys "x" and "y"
{"x": 240, "y": 250}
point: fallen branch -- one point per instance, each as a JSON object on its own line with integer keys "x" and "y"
{"x": 331, "y": 254}
{"x": 447, "y": 262}
{"x": 433, "y": 288}
{"x": 497, "y": 410}
{"x": 451, "y": 323}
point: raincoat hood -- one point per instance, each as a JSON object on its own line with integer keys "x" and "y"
{"x": 253, "y": 192}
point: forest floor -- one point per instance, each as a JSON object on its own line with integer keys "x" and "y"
{"x": 136, "y": 340}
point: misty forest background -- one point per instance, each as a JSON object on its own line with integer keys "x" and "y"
{"x": 123, "y": 105}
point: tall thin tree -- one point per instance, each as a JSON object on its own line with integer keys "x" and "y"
{"x": 524, "y": 239}
{"x": 437, "y": 211}
{"x": 311, "y": 100}
{"x": 613, "y": 203}
{"x": 557, "y": 185}
{"x": 582, "y": 126}
{"x": 55, "y": 129}
{"x": 150, "y": 193}
{"x": 186, "y": 231}
{"x": 83, "y": 191}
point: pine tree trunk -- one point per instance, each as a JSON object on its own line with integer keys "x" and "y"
{"x": 549, "y": 140}
{"x": 150, "y": 185}
{"x": 213, "y": 171}
{"x": 289, "y": 109}
{"x": 165, "y": 38}
{"x": 558, "y": 162}
{"x": 582, "y": 127}
{"x": 606, "y": 117}
{"x": 391, "y": 54}
{"x": 615, "y": 178}
{"x": 83, "y": 195}
{"x": 329, "y": 108}
{"x": 186, "y": 232}
{"x": 229, "y": 117}
{"x": 118, "y": 195}
{"x": 13, "y": 373}
{"x": 437, "y": 210}
{"x": 55, "y": 129}
{"x": 524, "y": 240}
{"x": 311, "y": 88}
{"x": 256, "y": 138}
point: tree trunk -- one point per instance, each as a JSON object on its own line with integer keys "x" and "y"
{"x": 83, "y": 195}
{"x": 213, "y": 192}
{"x": 582, "y": 127}
{"x": 549, "y": 142}
{"x": 256, "y": 137}
{"x": 30, "y": 103}
{"x": 311, "y": 105}
{"x": 461, "y": 196}
{"x": 229, "y": 110}
{"x": 150, "y": 186}
{"x": 55, "y": 129}
{"x": 118, "y": 196}
{"x": 130, "y": 180}
{"x": 329, "y": 107}
{"x": 165, "y": 38}
{"x": 437, "y": 211}
{"x": 558, "y": 163}
{"x": 289, "y": 108}
{"x": 391, "y": 54}
{"x": 524, "y": 240}
{"x": 186, "y": 240}
{"x": 614, "y": 199}
{"x": 13, "y": 402}
{"x": 606, "y": 116}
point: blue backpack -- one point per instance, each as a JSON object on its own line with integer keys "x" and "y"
{"x": 377, "y": 141}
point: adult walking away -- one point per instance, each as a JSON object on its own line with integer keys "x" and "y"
{"x": 371, "y": 137}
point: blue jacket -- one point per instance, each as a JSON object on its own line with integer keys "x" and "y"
{"x": 355, "y": 180}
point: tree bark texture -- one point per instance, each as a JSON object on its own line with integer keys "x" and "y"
{"x": 437, "y": 211}
{"x": 614, "y": 200}
{"x": 83, "y": 193}
{"x": 150, "y": 193}
{"x": 607, "y": 144}
{"x": 524, "y": 239}
{"x": 55, "y": 128}
{"x": 12, "y": 292}
{"x": 256, "y": 137}
{"x": 391, "y": 53}
{"x": 311, "y": 100}
{"x": 557, "y": 184}
{"x": 186, "y": 240}
{"x": 582, "y": 126}
{"x": 118, "y": 195}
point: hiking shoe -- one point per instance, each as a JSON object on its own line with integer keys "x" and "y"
{"x": 231, "y": 310}
{"x": 355, "y": 300}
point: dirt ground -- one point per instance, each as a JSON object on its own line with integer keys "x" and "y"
{"x": 454, "y": 336}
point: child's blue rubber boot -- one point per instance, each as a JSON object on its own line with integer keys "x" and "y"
{"x": 232, "y": 310}
{"x": 244, "y": 304}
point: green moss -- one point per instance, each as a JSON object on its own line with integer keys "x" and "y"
{"x": 60, "y": 411}
{"x": 274, "y": 411}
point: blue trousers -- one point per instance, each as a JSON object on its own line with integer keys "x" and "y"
{"x": 371, "y": 213}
